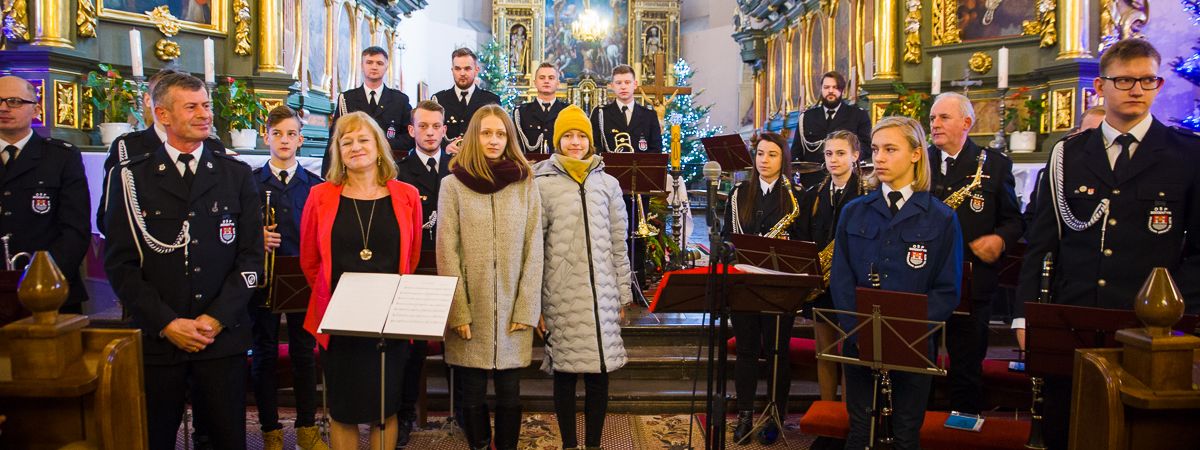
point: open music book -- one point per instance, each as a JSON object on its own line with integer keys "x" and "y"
{"x": 762, "y": 270}
{"x": 390, "y": 306}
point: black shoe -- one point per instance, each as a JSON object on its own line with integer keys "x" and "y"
{"x": 768, "y": 434}
{"x": 404, "y": 432}
{"x": 745, "y": 424}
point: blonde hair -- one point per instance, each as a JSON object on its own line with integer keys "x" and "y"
{"x": 471, "y": 155}
{"x": 358, "y": 120}
{"x": 915, "y": 135}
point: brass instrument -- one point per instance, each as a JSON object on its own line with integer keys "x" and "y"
{"x": 10, "y": 260}
{"x": 269, "y": 265}
{"x": 956, "y": 199}
{"x": 1036, "y": 440}
{"x": 825, "y": 256}
{"x": 780, "y": 229}
{"x": 644, "y": 229}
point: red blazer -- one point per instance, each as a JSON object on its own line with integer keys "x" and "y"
{"x": 316, "y": 255}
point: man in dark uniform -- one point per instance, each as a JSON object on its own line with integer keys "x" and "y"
{"x": 184, "y": 254}
{"x": 1126, "y": 200}
{"x": 45, "y": 201}
{"x": 389, "y": 107}
{"x": 423, "y": 168}
{"x": 140, "y": 142}
{"x": 536, "y": 119}
{"x": 623, "y": 125}
{"x": 831, "y": 115}
{"x": 461, "y": 101}
{"x": 991, "y": 222}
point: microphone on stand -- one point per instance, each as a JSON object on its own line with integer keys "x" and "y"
{"x": 712, "y": 172}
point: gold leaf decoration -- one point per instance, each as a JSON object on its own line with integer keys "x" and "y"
{"x": 85, "y": 19}
{"x": 912, "y": 32}
{"x": 162, "y": 18}
{"x": 241, "y": 32}
{"x": 945, "y": 23}
{"x": 14, "y": 18}
{"x": 980, "y": 63}
{"x": 1045, "y": 25}
{"x": 166, "y": 49}
{"x": 64, "y": 104}
{"x": 86, "y": 110}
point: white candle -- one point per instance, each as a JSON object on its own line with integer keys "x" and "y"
{"x": 869, "y": 61}
{"x": 1002, "y": 69}
{"x": 210, "y": 64}
{"x": 135, "y": 52}
{"x": 935, "y": 79}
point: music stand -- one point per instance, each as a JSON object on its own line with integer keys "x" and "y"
{"x": 729, "y": 150}
{"x": 288, "y": 291}
{"x": 1054, "y": 332}
{"x": 893, "y": 334}
{"x": 637, "y": 173}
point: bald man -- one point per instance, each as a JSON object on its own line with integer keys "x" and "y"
{"x": 44, "y": 200}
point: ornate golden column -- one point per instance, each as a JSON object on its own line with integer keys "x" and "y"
{"x": 270, "y": 36}
{"x": 1074, "y": 37}
{"x": 886, "y": 17}
{"x": 52, "y": 23}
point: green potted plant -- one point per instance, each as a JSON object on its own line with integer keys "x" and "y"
{"x": 116, "y": 98}
{"x": 1025, "y": 138}
{"x": 242, "y": 110}
{"x": 911, "y": 104}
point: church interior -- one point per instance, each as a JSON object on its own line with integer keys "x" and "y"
{"x": 722, "y": 79}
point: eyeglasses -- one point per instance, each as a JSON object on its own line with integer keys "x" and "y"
{"x": 16, "y": 102}
{"x": 1126, "y": 83}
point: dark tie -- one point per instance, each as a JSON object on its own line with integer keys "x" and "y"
{"x": 546, "y": 107}
{"x": 464, "y": 97}
{"x": 432, "y": 165}
{"x": 374, "y": 104}
{"x": 283, "y": 177}
{"x": 625, "y": 114}
{"x": 188, "y": 175}
{"x": 949, "y": 163}
{"x": 829, "y": 115}
{"x": 1125, "y": 140}
{"x": 11, "y": 153}
{"x": 894, "y": 198}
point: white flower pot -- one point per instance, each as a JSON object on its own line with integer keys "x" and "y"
{"x": 244, "y": 139}
{"x": 1022, "y": 141}
{"x": 110, "y": 131}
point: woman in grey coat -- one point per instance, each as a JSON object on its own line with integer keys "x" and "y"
{"x": 586, "y": 282}
{"x": 489, "y": 235}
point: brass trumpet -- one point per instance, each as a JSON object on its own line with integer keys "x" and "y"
{"x": 644, "y": 229}
{"x": 10, "y": 260}
{"x": 269, "y": 264}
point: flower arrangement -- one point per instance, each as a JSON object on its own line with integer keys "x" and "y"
{"x": 1034, "y": 106}
{"x": 239, "y": 105}
{"x": 114, "y": 96}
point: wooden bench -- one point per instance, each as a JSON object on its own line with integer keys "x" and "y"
{"x": 829, "y": 419}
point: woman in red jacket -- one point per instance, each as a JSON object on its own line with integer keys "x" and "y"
{"x": 376, "y": 222}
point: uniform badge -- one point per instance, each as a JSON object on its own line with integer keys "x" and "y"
{"x": 227, "y": 231}
{"x": 391, "y": 132}
{"x": 642, "y": 145}
{"x": 977, "y": 202}
{"x": 1160, "y": 220}
{"x": 917, "y": 254}
{"x": 162, "y": 167}
{"x": 209, "y": 165}
{"x": 251, "y": 279}
{"x": 41, "y": 203}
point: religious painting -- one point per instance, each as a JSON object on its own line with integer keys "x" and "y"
{"x": 576, "y": 58}
{"x": 343, "y": 52}
{"x": 990, "y": 19}
{"x": 194, "y": 15}
{"x": 316, "y": 15}
{"x": 815, "y": 62}
{"x": 795, "y": 70}
{"x": 844, "y": 48}
{"x": 519, "y": 49}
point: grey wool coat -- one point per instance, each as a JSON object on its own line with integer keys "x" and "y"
{"x": 586, "y": 279}
{"x": 493, "y": 243}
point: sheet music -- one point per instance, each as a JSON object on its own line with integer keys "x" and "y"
{"x": 420, "y": 307}
{"x": 761, "y": 270}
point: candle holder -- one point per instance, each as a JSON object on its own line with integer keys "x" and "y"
{"x": 1000, "y": 141}
{"x": 680, "y": 260}
{"x": 143, "y": 89}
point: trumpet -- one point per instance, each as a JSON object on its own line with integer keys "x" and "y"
{"x": 269, "y": 263}
{"x": 10, "y": 260}
{"x": 644, "y": 229}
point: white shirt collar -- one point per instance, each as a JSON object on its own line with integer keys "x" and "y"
{"x": 1110, "y": 137}
{"x": 378, "y": 91}
{"x": 629, "y": 105}
{"x": 766, "y": 187}
{"x": 835, "y": 109}
{"x": 20, "y": 144}
{"x": 174, "y": 153}
{"x": 436, "y": 157}
{"x": 160, "y": 131}
{"x": 291, "y": 170}
{"x": 459, "y": 92}
{"x": 906, "y": 192}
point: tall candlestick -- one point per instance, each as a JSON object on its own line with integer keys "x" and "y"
{"x": 135, "y": 52}
{"x": 869, "y": 61}
{"x": 210, "y": 65}
{"x": 1002, "y": 69}
{"x": 676, "y": 147}
{"x": 936, "y": 77}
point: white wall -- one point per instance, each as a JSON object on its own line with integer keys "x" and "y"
{"x": 706, "y": 27}
{"x": 431, "y": 34}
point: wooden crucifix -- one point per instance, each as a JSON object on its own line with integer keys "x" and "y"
{"x": 658, "y": 93}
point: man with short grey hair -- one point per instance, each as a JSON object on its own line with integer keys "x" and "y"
{"x": 990, "y": 217}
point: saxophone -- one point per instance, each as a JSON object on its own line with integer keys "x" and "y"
{"x": 779, "y": 231}
{"x": 956, "y": 199}
{"x": 825, "y": 256}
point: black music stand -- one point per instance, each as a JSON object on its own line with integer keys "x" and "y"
{"x": 288, "y": 291}
{"x": 729, "y": 150}
{"x": 893, "y": 334}
{"x": 637, "y": 173}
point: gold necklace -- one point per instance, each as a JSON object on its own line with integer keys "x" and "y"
{"x": 366, "y": 253}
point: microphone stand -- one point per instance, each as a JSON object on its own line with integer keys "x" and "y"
{"x": 721, "y": 254}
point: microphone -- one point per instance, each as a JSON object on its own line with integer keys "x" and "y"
{"x": 712, "y": 172}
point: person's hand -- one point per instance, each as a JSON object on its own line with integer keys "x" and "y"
{"x": 988, "y": 248}
{"x": 463, "y": 331}
{"x": 271, "y": 239}
{"x": 514, "y": 327}
{"x": 541, "y": 327}
{"x": 188, "y": 335}
{"x": 212, "y": 324}
{"x": 1020, "y": 338}
{"x": 453, "y": 147}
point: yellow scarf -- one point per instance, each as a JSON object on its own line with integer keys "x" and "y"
{"x": 578, "y": 169}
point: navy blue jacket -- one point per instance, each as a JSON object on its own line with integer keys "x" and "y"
{"x": 919, "y": 251}
{"x": 288, "y": 203}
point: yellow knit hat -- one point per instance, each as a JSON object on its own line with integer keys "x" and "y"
{"x": 573, "y": 118}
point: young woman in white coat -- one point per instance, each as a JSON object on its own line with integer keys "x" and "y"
{"x": 490, "y": 236}
{"x": 586, "y": 282}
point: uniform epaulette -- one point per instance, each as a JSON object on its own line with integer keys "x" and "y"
{"x": 230, "y": 158}
{"x": 1189, "y": 134}
{"x": 136, "y": 159}
{"x": 61, "y": 143}
{"x": 996, "y": 153}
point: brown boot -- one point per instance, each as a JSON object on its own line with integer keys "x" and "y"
{"x": 273, "y": 440}
{"x": 308, "y": 438}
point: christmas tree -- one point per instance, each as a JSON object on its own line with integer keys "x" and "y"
{"x": 693, "y": 125}
{"x": 498, "y": 74}
{"x": 1189, "y": 68}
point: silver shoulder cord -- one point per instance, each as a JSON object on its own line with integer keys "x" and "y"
{"x": 809, "y": 146}
{"x": 432, "y": 221}
{"x": 1100, "y": 214}
{"x": 521, "y": 133}
{"x": 342, "y": 105}
{"x": 133, "y": 214}
{"x": 737, "y": 222}
{"x": 603, "y": 138}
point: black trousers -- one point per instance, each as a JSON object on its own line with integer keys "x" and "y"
{"x": 966, "y": 343}
{"x": 595, "y": 407}
{"x": 220, "y": 385}
{"x": 507, "y": 384}
{"x": 910, "y": 394}
{"x": 410, "y": 389}
{"x": 758, "y": 343}
{"x": 263, "y": 363}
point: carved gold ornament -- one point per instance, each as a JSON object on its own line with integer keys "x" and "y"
{"x": 945, "y": 22}
{"x": 166, "y": 23}
{"x": 912, "y": 32}
{"x": 14, "y": 18}
{"x": 64, "y": 104}
{"x": 980, "y": 63}
{"x": 1045, "y": 25}
{"x": 166, "y": 49}
{"x": 241, "y": 30}
{"x": 85, "y": 19}
{"x": 86, "y": 110}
